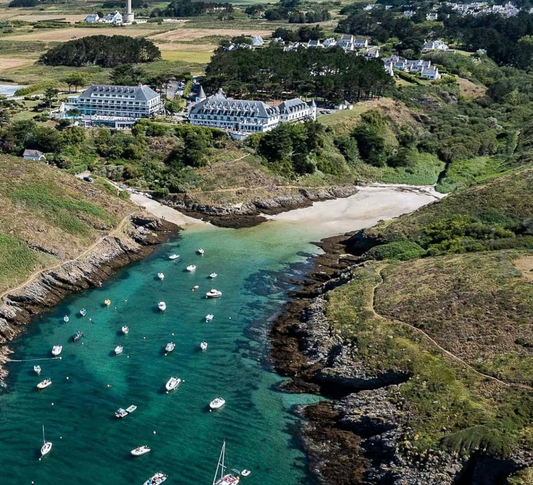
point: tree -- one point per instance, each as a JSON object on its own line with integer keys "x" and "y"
{"x": 75, "y": 79}
{"x": 127, "y": 75}
{"x": 50, "y": 96}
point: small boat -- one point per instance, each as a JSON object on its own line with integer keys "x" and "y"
{"x": 217, "y": 403}
{"x": 119, "y": 349}
{"x": 162, "y": 306}
{"x": 170, "y": 347}
{"x": 121, "y": 413}
{"x": 245, "y": 473}
{"x": 203, "y": 345}
{"x": 83, "y": 312}
{"x": 66, "y": 318}
{"x": 213, "y": 293}
{"x": 161, "y": 276}
{"x": 77, "y": 336}
{"x": 200, "y": 251}
{"x": 158, "y": 478}
{"x": 224, "y": 478}
{"x": 141, "y": 450}
{"x": 173, "y": 256}
{"x": 131, "y": 408}
{"x": 47, "y": 446}
{"x": 125, "y": 329}
{"x": 56, "y": 350}
{"x": 213, "y": 275}
{"x": 195, "y": 287}
{"x": 172, "y": 383}
{"x": 209, "y": 317}
{"x": 191, "y": 268}
{"x": 37, "y": 369}
{"x": 107, "y": 302}
{"x": 44, "y": 384}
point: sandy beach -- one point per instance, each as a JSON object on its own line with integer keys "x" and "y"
{"x": 364, "y": 209}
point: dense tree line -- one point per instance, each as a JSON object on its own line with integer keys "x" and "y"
{"x": 303, "y": 34}
{"x": 23, "y": 3}
{"x": 102, "y": 50}
{"x": 309, "y": 17}
{"x": 189, "y": 8}
{"x": 330, "y": 74}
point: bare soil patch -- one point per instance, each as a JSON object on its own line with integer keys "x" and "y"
{"x": 64, "y": 35}
{"x": 525, "y": 265}
{"x": 33, "y": 17}
{"x": 184, "y": 34}
{"x": 12, "y": 62}
{"x": 470, "y": 90}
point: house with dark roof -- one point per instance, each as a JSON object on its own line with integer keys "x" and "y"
{"x": 34, "y": 155}
{"x": 119, "y": 101}
{"x": 245, "y": 117}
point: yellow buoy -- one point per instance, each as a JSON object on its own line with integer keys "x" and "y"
{"x": 107, "y": 302}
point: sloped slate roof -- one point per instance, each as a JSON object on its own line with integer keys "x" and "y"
{"x": 292, "y": 105}
{"x": 220, "y": 105}
{"x": 32, "y": 153}
{"x": 141, "y": 92}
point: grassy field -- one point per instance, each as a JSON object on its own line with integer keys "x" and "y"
{"x": 449, "y": 405}
{"x": 47, "y": 216}
{"x": 63, "y": 35}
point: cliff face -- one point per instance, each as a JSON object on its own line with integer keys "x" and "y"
{"x": 50, "y": 287}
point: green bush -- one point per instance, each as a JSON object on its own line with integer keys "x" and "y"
{"x": 400, "y": 250}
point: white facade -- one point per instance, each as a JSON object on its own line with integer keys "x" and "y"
{"x": 113, "y": 18}
{"x": 436, "y": 45}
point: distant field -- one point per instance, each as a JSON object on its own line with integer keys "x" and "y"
{"x": 35, "y": 17}
{"x": 185, "y": 34}
{"x": 13, "y": 62}
{"x": 200, "y": 54}
{"x": 63, "y": 35}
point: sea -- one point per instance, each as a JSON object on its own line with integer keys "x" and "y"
{"x": 255, "y": 268}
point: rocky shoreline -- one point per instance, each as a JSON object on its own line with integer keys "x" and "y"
{"x": 361, "y": 435}
{"x": 47, "y": 289}
{"x": 249, "y": 214}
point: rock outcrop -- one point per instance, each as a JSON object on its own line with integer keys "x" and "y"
{"x": 48, "y": 288}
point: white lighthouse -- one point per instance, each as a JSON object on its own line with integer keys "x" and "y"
{"x": 128, "y": 18}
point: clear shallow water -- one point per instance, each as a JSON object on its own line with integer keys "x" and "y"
{"x": 90, "y": 444}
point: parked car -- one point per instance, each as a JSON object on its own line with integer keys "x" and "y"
{"x": 88, "y": 179}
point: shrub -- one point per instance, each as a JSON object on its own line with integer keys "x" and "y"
{"x": 399, "y": 250}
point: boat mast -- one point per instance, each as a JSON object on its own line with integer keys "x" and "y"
{"x": 44, "y": 441}
{"x": 220, "y": 464}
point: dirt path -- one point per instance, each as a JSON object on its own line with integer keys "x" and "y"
{"x": 115, "y": 231}
{"x": 442, "y": 349}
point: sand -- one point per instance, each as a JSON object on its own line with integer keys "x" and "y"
{"x": 364, "y": 209}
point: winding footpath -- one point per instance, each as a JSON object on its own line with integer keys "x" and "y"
{"x": 436, "y": 344}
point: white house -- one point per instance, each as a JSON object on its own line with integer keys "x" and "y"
{"x": 315, "y": 43}
{"x": 93, "y": 18}
{"x": 372, "y": 53}
{"x": 360, "y": 43}
{"x": 34, "y": 155}
{"x": 258, "y": 41}
{"x": 331, "y": 42}
{"x": 347, "y": 42}
{"x": 244, "y": 117}
{"x": 432, "y": 16}
{"x": 436, "y": 45}
{"x": 431, "y": 73}
{"x": 113, "y": 18}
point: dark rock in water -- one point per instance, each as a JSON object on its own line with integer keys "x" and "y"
{"x": 50, "y": 287}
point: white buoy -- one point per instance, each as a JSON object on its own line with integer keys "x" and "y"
{"x": 52, "y": 404}
{"x": 155, "y": 432}
{"x": 68, "y": 378}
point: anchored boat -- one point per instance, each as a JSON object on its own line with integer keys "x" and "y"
{"x": 119, "y": 349}
{"x": 44, "y": 384}
{"x": 158, "y": 478}
{"x": 173, "y": 256}
{"x": 47, "y": 446}
{"x": 217, "y": 403}
{"x": 141, "y": 450}
{"x": 162, "y": 306}
{"x": 203, "y": 345}
{"x": 56, "y": 350}
{"x": 77, "y": 336}
{"x": 200, "y": 251}
{"x": 172, "y": 383}
{"x": 209, "y": 317}
{"x": 37, "y": 369}
{"x": 170, "y": 347}
{"x": 125, "y": 329}
{"x": 191, "y": 268}
{"x": 225, "y": 478}
{"x": 161, "y": 276}
{"x": 213, "y": 293}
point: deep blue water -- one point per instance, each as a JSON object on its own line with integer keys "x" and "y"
{"x": 90, "y": 382}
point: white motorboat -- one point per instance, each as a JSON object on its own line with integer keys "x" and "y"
{"x": 37, "y": 369}
{"x": 158, "y": 478}
{"x": 66, "y": 319}
{"x": 212, "y": 293}
{"x": 141, "y": 450}
{"x": 224, "y": 478}
{"x": 119, "y": 349}
{"x": 56, "y": 350}
{"x": 200, "y": 251}
{"x": 47, "y": 446}
{"x": 161, "y": 276}
{"x": 203, "y": 345}
{"x": 125, "y": 329}
{"x": 209, "y": 317}
{"x": 213, "y": 276}
{"x": 172, "y": 383}
{"x": 191, "y": 268}
{"x": 217, "y": 403}
{"x": 245, "y": 473}
{"x": 170, "y": 347}
{"x": 162, "y": 306}
{"x": 83, "y": 312}
{"x": 44, "y": 384}
{"x": 121, "y": 413}
{"x": 131, "y": 408}
{"x": 173, "y": 256}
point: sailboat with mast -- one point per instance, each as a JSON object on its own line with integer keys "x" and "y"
{"x": 47, "y": 446}
{"x": 225, "y": 478}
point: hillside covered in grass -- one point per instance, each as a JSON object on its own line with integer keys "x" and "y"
{"x": 48, "y": 216}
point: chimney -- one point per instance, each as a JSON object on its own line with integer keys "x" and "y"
{"x": 129, "y": 17}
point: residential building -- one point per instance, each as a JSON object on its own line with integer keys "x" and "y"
{"x": 258, "y": 41}
{"x": 347, "y": 42}
{"x": 123, "y": 101}
{"x": 432, "y": 16}
{"x": 34, "y": 155}
{"x": 244, "y": 117}
{"x": 431, "y": 73}
{"x": 360, "y": 43}
{"x": 436, "y": 45}
{"x": 92, "y": 18}
{"x": 315, "y": 43}
{"x": 331, "y": 42}
{"x": 113, "y": 18}
{"x": 372, "y": 53}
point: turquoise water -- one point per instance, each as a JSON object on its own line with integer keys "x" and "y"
{"x": 90, "y": 383}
